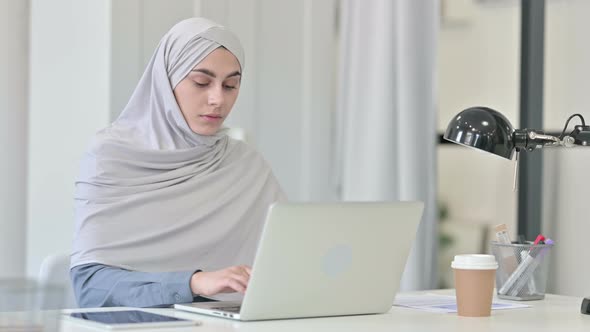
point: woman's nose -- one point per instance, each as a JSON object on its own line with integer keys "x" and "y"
{"x": 216, "y": 96}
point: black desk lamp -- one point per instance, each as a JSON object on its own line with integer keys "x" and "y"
{"x": 486, "y": 129}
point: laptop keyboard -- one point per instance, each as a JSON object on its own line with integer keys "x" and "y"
{"x": 235, "y": 309}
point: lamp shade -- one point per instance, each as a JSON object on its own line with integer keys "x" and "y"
{"x": 482, "y": 128}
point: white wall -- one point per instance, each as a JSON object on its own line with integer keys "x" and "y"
{"x": 86, "y": 58}
{"x": 567, "y": 78}
{"x": 478, "y": 65}
{"x": 286, "y": 99}
{"x": 69, "y": 100}
{"x": 136, "y": 29}
{"x": 126, "y": 52}
{"x": 14, "y": 30}
{"x": 479, "y": 59}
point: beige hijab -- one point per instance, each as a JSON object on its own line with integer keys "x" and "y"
{"x": 154, "y": 196}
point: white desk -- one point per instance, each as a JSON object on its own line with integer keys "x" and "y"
{"x": 555, "y": 313}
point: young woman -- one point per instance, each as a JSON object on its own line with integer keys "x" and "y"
{"x": 168, "y": 208}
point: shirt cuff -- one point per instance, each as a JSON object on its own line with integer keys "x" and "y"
{"x": 177, "y": 287}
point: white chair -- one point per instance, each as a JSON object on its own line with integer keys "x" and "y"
{"x": 238, "y": 133}
{"x": 55, "y": 269}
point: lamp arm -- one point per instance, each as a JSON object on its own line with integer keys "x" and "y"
{"x": 531, "y": 139}
{"x": 544, "y": 139}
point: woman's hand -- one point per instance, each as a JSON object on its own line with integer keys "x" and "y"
{"x": 229, "y": 280}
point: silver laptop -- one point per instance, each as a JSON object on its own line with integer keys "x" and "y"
{"x": 325, "y": 259}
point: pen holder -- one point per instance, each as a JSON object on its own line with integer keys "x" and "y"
{"x": 522, "y": 270}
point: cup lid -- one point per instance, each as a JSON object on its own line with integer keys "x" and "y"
{"x": 474, "y": 262}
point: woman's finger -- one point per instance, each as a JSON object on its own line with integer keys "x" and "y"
{"x": 242, "y": 277}
{"x": 237, "y": 286}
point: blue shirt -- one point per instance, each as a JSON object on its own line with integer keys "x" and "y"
{"x": 97, "y": 285}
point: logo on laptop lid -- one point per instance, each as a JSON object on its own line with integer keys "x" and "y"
{"x": 337, "y": 260}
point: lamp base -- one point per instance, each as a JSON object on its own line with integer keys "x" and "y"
{"x": 586, "y": 306}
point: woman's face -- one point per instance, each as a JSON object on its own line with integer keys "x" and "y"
{"x": 208, "y": 93}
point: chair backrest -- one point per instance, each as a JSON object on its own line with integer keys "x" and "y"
{"x": 55, "y": 269}
{"x": 238, "y": 133}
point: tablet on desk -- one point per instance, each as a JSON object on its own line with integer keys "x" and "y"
{"x": 127, "y": 319}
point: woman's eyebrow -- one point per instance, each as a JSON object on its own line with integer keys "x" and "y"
{"x": 235, "y": 73}
{"x": 212, "y": 74}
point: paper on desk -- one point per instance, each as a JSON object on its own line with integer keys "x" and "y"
{"x": 443, "y": 303}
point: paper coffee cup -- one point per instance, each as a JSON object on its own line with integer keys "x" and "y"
{"x": 474, "y": 284}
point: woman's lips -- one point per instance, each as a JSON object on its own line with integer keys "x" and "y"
{"x": 211, "y": 118}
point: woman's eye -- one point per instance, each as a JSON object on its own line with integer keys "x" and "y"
{"x": 229, "y": 87}
{"x": 200, "y": 84}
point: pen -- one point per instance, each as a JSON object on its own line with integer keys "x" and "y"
{"x": 502, "y": 234}
{"x": 520, "y": 270}
{"x": 531, "y": 286}
{"x": 539, "y": 238}
{"x": 506, "y": 255}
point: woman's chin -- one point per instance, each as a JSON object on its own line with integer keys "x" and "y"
{"x": 209, "y": 131}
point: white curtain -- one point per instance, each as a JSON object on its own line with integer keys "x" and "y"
{"x": 386, "y": 129}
